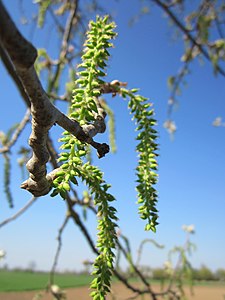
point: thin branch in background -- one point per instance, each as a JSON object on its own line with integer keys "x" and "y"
{"x": 179, "y": 261}
{"x": 19, "y": 212}
{"x": 57, "y": 23}
{"x": 7, "y": 143}
{"x": 175, "y": 88}
{"x": 187, "y": 33}
{"x": 136, "y": 270}
{"x": 58, "y": 97}
{"x": 219, "y": 29}
{"x": 7, "y": 177}
{"x": 77, "y": 221}
{"x": 17, "y": 132}
{"x": 53, "y": 153}
{"x": 56, "y": 258}
{"x": 64, "y": 45}
{"x": 140, "y": 250}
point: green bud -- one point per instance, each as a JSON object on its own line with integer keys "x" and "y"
{"x": 66, "y": 186}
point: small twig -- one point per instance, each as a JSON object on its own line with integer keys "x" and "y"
{"x": 153, "y": 242}
{"x": 179, "y": 24}
{"x": 53, "y": 153}
{"x": 57, "y": 23}
{"x": 19, "y": 213}
{"x": 7, "y": 177}
{"x": 131, "y": 287}
{"x": 112, "y": 87}
{"x": 65, "y": 40}
{"x": 17, "y": 132}
{"x": 12, "y": 72}
{"x": 78, "y": 221}
{"x": 134, "y": 267}
{"x": 84, "y": 230}
{"x": 63, "y": 98}
{"x": 56, "y": 258}
{"x": 219, "y": 29}
{"x": 76, "y": 218}
{"x": 179, "y": 77}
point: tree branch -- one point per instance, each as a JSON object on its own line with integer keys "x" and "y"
{"x": 78, "y": 222}
{"x": 65, "y": 40}
{"x": 17, "y": 132}
{"x": 178, "y": 23}
{"x": 59, "y": 239}
{"x": 19, "y": 213}
{"x": 44, "y": 114}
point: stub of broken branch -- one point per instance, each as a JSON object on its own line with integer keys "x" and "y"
{"x": 40, "y": 186}
{"x": 112, "y": 87}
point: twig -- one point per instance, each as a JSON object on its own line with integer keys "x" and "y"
{"x": 57, "y": 23}
{"x": 219, "y": 29}
{"x": 17, "y": 132}
{"x": 137, "y": 271}
{"x": 53, "y": 153}
{"x": 76, "y": 218}
{"x": 59, "y": 239}
{"x": 7, "y": 177}
{"x": 186, "y": 32}
{"x": 84, "y": 230}
{"x": 19, "y": 213}
{"x": 133, "y": 288}
{"x": 65, "y": 40}
{"x": 142, "y": 246}
{"x": 178, "y": 79}
{"x": 78, "y": 221}
{"x": 58, "y": 97}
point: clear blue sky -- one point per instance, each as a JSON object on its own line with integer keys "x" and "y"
{"x": 191, "y": 167}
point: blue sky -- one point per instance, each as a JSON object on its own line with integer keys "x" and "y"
{"x": 191, "y": 167}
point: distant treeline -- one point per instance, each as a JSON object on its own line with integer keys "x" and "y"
{"x": 203, "y": 273}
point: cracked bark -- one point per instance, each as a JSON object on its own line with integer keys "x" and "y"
{"x": 22, "y": 55}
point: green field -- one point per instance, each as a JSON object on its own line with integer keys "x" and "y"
{"x": 25, "y": 281}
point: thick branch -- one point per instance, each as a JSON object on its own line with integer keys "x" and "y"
{"x": 20, "y": 50}
{"x": 44, "y": 114}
